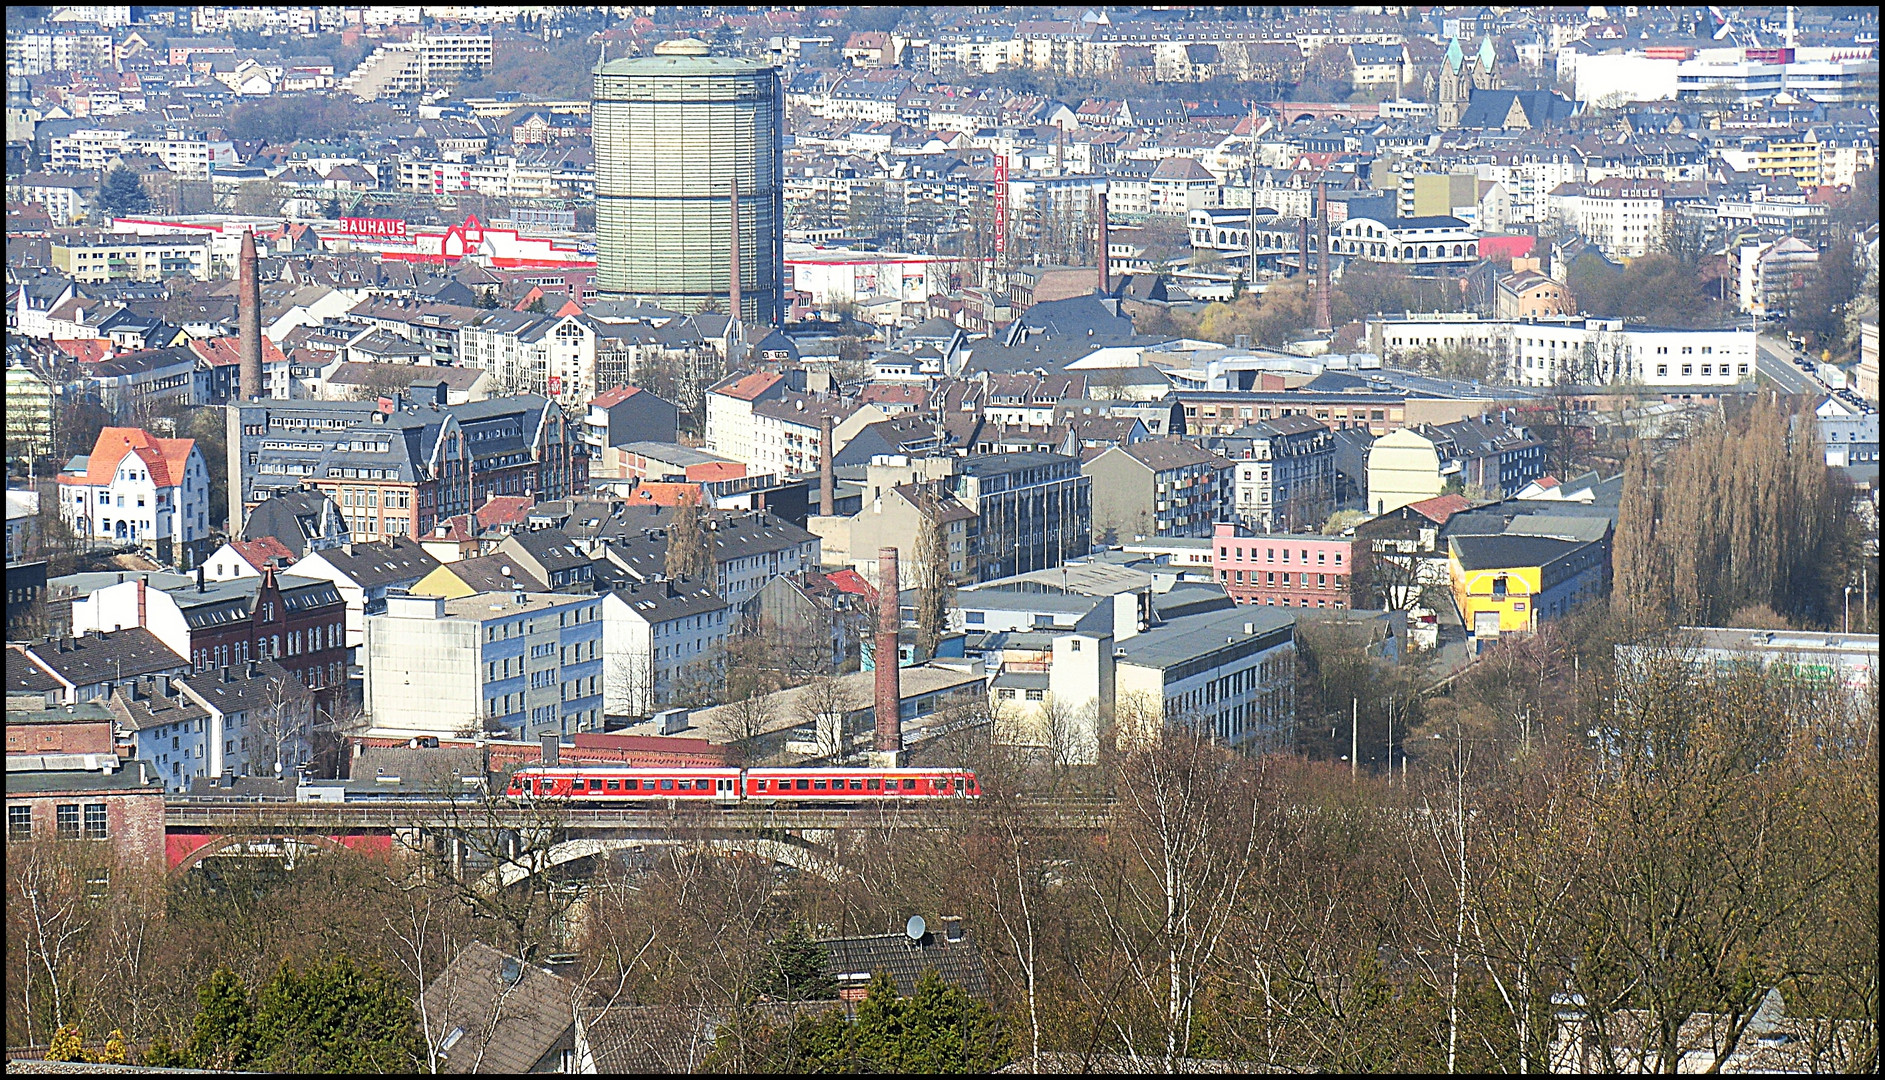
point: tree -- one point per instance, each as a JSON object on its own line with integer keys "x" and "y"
{"x": 690, "y": 544}
{"x": 935, "y": 582}
{"x": 221, "y": 1037}
{"x": 826, "y": 703}
{"x": 122, "y": 192}
{"x": 796, "y": 971}
{"x": 332, "y": 1018}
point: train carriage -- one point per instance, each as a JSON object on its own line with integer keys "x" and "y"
{"x": 602, "y": 785}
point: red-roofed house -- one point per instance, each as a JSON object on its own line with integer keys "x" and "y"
{"x": 659, "y": 493}
{"x": 221, "y": 378}
{"x": 850, "y": 581}
{"x": 1441, "y": 508}
{"x": 245, "y": 558}
{"x": 730, "y": 412}
{"x": 84, "y": 350}
{"x": 134, "y": 488}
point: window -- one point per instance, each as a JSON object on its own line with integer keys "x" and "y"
{"x": 871, "y": 784}
{"x": 68, "y": 821}
{"x": 19, "y": 822}
{"x": 667, "y": 785}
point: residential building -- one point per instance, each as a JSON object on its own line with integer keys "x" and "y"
{"x": 252, "y": 719}
{"x": 665, "y": 641}
{"x": 526, "y": 664}
{"x": 303, "y": 521}
{"x": 246, "y": 558}
{"x": 30, "y": 404}
{"x": 74, "y": 670}
{"x": 623, "y": 415}
{"x": 1849, "y": 432}
{"x": 1622, "y": 215}
{"x": 1419, "y": 463}
{"x": 298, "y": 622}
{"x": 1158, "y": 489}
{"x": 1248, "y": 566}
{"x": 750, "y": 548}
{"x": 811, "y": 612}
{"x": 129, "y": 257}
{"x": 134, "y": 488}
{"x": 898, "y": 500}
{"x": 365, "y": 574}
{"x": 1585, "y": 351}
{"x": 1771, "y": 275}
{"x": 730, "y": 425}
{"x": 1285, "y": 472}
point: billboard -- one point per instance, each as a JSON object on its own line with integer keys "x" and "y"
{"x": 372, "y": 226}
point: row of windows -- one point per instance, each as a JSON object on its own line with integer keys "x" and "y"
{"x": 71, "y": 821}
{"x": 1224, "y": 552}
{"x": 1269, "y": 576}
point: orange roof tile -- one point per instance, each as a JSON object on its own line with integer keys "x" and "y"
{"x": 504, "y": 510}
{"x": 84, "y": 350}
{"x": 751, "y": 386}
{"x": 658, "y": 493}
{"x": 852, "y": 582}
{"x": 616, "y": 396}
{"x": 1441, "y": 507}
{"x": 708, "y": 471}
{"x": 164, "y": 458}
{"x": 227, "y": 351}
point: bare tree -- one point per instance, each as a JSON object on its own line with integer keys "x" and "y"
{"x": 743, "y": 721}
{"x": 825, "y": 703}
{"x": 935, "y": 582}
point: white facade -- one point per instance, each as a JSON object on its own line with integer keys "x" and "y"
{"x": 1425, "y": 241}
{"x": 93, "y": 148}
{"x": 1622, "y": 218}
{"x": 1231, "y": 674}
{"x": 654, "y": 644}
{"x": 1600, "y": 352}
{"x": 134, "y": 500}
{"x": 528, "y": 664}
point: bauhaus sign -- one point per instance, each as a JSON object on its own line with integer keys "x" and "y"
{"x": 372, "y": 226}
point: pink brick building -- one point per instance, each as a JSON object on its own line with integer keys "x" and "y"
{"x": 1282, "y": 569}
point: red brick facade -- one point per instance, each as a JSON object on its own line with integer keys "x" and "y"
{"x": 134, "y": 818}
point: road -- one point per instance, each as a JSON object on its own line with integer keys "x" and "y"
{"x": 1774, "y": 359}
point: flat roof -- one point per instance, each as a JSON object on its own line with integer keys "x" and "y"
{"x": 1190, "y": 637}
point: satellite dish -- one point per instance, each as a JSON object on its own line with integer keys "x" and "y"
{"x": 915, "y": 928}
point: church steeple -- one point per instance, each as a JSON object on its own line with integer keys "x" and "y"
{"x": 1485, "y": 69}
{"x": 1456, "y": 86}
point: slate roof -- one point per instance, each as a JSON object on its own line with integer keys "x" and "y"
{"x": 495, "y": 1024}
{"x": 293, "y": 518}
{"x": 399, "y": 560}
{"x": 96, "y": 658}
{"x": 485, "y": 574}
{"x": 958, "y": 962}
{"x": 1542, "y": 108}
{"x": 1509, "y": 551}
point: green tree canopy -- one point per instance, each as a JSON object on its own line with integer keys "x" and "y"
{"x": 122, "y": 192}
{"x": 796, "y": 970}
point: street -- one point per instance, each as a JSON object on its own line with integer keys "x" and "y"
{"x": 1774, "y": 359}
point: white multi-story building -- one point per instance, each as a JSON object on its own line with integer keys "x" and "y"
{"x": 660, "y": 636}
{"x": 94, "y": 148}
{"x": 39, "y": 53}
{"x": 528, "y": 664}
{"x": 552, "y": 355}
{"x": 1588, "y": 352}
{"x": 1622, "y": 216}
{"x": 1414, "y": 241}
{"x": 1231, "y": 674}
{"x": 730, "y": 413}
{"x": 136, "y": 488}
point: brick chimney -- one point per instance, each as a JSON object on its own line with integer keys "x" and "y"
{"x": 249, "y": 319}
{"x": 889, "y": 701}
{"x": 827, "y": 476}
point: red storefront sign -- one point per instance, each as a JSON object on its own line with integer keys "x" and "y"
{"x": 372, "y": 226}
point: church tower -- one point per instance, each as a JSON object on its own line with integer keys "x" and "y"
{"x": 1456, "y": 86}
{"x": 1459, "y": 78}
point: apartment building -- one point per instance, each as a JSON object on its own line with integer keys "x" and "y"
{"x": 1588, "y": 352}
{"x": 98, "y": 258}
{"x": 524, "y": 664}
{"x": 661, "y": 637}
{"x": 1158, "y": 489}
{"x": 1621, "y": 215}
{"x": 1285, "y": 472}
{"x": 95, "y": 148}
{"x": 134, "y": 488}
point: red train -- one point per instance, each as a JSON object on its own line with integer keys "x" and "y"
{"x": 609, "y": 784}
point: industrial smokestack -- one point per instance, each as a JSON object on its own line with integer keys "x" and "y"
{"x": 1106, "y": 284}
{"x": 733, "y": 254}
{"x": 249, "y": 319}
{"x": 826, "y": 474}
{"x": 1323, "y": 318}
{"x": 889, "y": 683}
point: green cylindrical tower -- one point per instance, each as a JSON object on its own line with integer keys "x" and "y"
{"x": 673, "y": 134}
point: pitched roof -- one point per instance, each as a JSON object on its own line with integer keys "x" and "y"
{"x": 749, "y": 387}
{"x": 958, "y": 962}
{"x": 261, "y": 550}
{"x": 609, "y": 398}
{"x": 497, "y": 1013}
{"x": 164, "y": 458}
{"x": 1441, "y": 507}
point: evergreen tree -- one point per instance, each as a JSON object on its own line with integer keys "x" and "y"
{"x": 333, "y": 1017}
{"x": 67, "y": 1044}
{"x": 122, "y": 193}
{"x": 796, "y": 971}
{"x": 220, "y": 1038}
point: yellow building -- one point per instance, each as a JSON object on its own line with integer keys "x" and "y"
{"x": 1798, "y": 158}
{"x": 488, "y": 573}
{"x": 1403, "y": 468}
{"x": 124, "y": 257}
{"x": 1507, "y": 583}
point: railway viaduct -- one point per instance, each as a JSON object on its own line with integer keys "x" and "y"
{"x": 540, "y": 838}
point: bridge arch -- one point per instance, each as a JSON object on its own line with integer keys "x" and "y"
{"x": 286, "y": 842}
{"x": 798, "y": 856}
